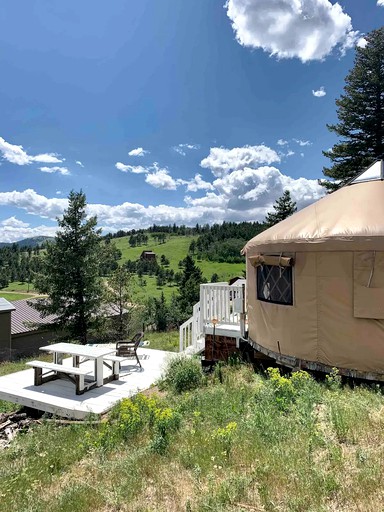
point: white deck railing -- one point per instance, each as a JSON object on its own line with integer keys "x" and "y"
{"x": 220, "y": 301}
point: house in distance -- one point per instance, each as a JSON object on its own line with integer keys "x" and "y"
{"x": 148, "y": 256}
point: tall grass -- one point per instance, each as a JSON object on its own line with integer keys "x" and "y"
{"x": 238, "y": 441}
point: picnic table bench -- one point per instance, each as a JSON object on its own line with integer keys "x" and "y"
{"x": 55, "y": 371}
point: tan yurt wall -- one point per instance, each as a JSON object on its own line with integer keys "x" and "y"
{"x": 292, "y": 328}
{"x": 337, "y": 316}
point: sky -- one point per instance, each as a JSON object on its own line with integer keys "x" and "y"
{"x": 168, "y": 111}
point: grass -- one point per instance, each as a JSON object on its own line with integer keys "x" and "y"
{"x": 239, "y": 441}
{"x": 163, "y": 340}
{"x": 19, "y": 287}
{"x": 18, "y": 291}
{"x": 16, "y": 296}
{"x": 175, "y": 249}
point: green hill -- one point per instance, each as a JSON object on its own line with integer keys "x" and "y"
{"x": 174, "y": 249}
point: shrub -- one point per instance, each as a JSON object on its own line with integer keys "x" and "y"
{"x": 183, "y": 374}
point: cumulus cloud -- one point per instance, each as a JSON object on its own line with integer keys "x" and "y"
{"x": 380, "y": 3}
{"x": 306, "y": 29}
{"x": 137, "y": 152}
{"x": 161, "y": 179}
{"x": 243, "y": 194}
{"x": 51, "y": 170}
{"x": 181, "y": 148}
{"x": 210, "y": 200}
{"x": 289, "y": 153}
{"x": 33, "y": 203}
{"x": 16, "y": 155}
{"x": 320, "y": 92}
{"x": 223, "y": 160}
{"x": 135, "y": 169}
{"x": 12, "y": 222}
{"x": 362, "y": 42}
{"x": 246, "y": 188}
{"x": 282, "y": 142}
{"x": 12, "y": 234}
{"x": 79, "y": 163}
{"x": 197, "y": 183}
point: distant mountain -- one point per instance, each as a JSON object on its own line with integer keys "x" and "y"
{"x": 30, "y": 242}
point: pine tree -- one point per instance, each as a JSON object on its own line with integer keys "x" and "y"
{"x": 70, "y": 271}
{"x": 189, "y": 288}
{"x": 118, "y": 296}
{"x": 284, "y": 207}
{"x": 360, "y": 111}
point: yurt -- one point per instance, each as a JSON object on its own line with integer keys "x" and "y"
{"x": 315, "y": 283}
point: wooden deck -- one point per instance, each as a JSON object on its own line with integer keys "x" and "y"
{"x": 58, "y": 396}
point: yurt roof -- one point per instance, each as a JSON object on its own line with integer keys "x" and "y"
{"x": 352, "y": 218}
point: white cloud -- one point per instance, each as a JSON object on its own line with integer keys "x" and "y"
{"x": 289, "y": 153}
{"x": 306, "y": 29}
{"x": 12, "y": 222}
{"x": 380, "y": 3}
{"x": 244, "y": 194}
{"x": 282, "y": 142}
{"x": 135, "y": 169}
{"x": 51, "y": 170}
{"x": 210, "y": 200}
{"x": 137, "y": 152}
{"x": 197, "y": 183}
{"x": 223, "y": 160}
{"x": 320, "y": 92}
{"x": 79, "y": 163}
{"x": 181, "y": 148}
{"x": 362, "y": 42}
{"x": 303, "y": 142}
{"x": 58, "y": 192}
{"x": 161, "y": 179}
{"x": 262, "y": 186}
{"x": 12, "y": 234}
{"x": 33, "y": 203}
{"x": 16, "y": 155}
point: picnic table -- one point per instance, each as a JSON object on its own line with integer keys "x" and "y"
{"x": 80, "y": 354}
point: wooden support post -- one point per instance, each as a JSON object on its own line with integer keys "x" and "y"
{"x": 38, "y": 376}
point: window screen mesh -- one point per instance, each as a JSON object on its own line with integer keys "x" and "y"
{"x": 274, "y": 284}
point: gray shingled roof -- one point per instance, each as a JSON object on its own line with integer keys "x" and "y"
{"x": 26, "y": 313}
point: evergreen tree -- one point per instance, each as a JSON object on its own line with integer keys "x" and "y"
{"x": 284, "y": 207}
{"x": 189, "y": 287}
{"x": 161, "y": 314}
{"x": 70, "y": 271}
{"x": 360, "y": 111}
{"x": 118, "y": 296}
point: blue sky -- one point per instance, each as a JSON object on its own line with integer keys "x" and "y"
{"x": 168, "y": 111}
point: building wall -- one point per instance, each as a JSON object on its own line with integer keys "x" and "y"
{"x": 325, "y": 324}
{"x": 24, "y": 345}
{"x": 5, "y": 333}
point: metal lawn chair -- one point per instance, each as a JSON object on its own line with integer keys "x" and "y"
{"x": 129, "y": 348}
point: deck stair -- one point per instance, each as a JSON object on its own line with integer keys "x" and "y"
{"x": 219, "y": 301}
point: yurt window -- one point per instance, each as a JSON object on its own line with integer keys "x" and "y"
{"x": 274, "y": 284}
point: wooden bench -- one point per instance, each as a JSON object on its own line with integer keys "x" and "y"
{"x": 75, "y": 374}
{"x": 115, "y": 367}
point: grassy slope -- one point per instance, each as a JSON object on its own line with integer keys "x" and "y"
{"x": 307, "y": 448}
{"x": 175, "y": 249}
